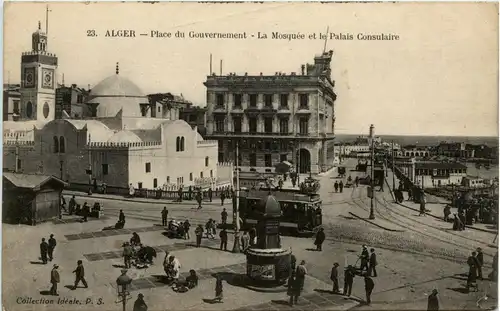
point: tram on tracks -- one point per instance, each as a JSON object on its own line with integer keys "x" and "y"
{"x": 301, "y": 213}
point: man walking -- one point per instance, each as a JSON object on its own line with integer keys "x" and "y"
{"x": 348, "y": 280}
{"x": 336, "y": 186}
{"x": 54, "y": 279}
{"x": 72, "y": 205}
{"x": 245, "y": 241}
{"x": 373, "y": 263}
{"x": 80, "y": 275}
{"x": 140, "y": 304}
{"x": 199, "y": 199}
{"x": 334, "y": 276}
{"x": 223, "y": 216}
{"x": 164, "y": 216}
{"x": 222, "y": 197}
{"x": 480, "y": 262}
{"x": 223, "y": 239}
{"x": 433, "y": 301}
{"x": 341, "y": 186}
{"x": 199, "y": 234}
{"x": 300, "y": 274}
{"x": 364, "y": 258}
{"x": 121, "y": 217}
{"x": 320, "y": 238}
{"x": 127, "y": 254}
{"x": 44, "y": 249}
{"x": 187, "y": 226}
{"x": 210, "y": 194}
{"x": 369, "y": 285}
{"x": 51, "y": 247}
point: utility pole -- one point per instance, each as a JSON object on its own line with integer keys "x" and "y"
{"x": 17, "y": 153}
{"x": 393, "y": 172}
{"x": 372, "y": 214}
{"x": 90, "y": 162}
{"x": 236, "y": 245}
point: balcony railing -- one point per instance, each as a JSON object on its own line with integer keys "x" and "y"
{"x": 251, "y": 133}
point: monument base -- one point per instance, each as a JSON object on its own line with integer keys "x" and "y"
{"x": 268, "y": 269}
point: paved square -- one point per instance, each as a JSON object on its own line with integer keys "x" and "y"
{"x": 99, "y": 234}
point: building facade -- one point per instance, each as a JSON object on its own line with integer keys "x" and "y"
{"x": 454, "y": 150}
{"x": 274, "y": 118}
{"x": 11, "y": 102}
{"x": 70, "y": 102}
{"x": 437, "y": 174}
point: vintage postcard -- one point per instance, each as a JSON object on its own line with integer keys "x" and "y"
{"x": 250, "y": 156}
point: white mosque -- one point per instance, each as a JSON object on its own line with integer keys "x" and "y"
{"x": 126, "y": 141}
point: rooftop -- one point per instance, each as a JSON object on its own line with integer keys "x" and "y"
{"x": 439, "y": 165}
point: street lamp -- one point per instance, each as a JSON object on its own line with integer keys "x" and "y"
{"x": 122, "y": 282}
{"x": 236, "y": 205}
{"x": 372, "y": 179}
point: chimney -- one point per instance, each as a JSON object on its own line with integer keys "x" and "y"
{"x": 303, "y": 69}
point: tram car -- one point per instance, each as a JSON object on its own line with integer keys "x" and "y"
{"x": 361, "y": 167}
{"x": 301, "y": 213}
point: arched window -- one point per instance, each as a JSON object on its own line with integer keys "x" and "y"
{"x": 178, "y": 144}
{"x": 56, "y": 144}
{"x": 206, "y": 161}
{"x": 62, "y": 145}
{"x": 182, "y": 143}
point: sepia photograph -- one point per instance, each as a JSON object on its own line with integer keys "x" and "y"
{"x": 250, "y": 156}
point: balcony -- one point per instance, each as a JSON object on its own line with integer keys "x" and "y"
{"x": 268, "y": 110}
{"x": 249, "y": 134}
{"x": 219, "y": 109}
{"x": 284, "y": 110}
{"x": 237, "y": 109}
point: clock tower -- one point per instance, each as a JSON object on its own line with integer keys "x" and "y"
{"x": 38, "y": 85}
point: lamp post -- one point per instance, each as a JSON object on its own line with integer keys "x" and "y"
{"x": 372, "y": 214}
{"x": 122, "y": 282}
{"x": 236, "y": 206}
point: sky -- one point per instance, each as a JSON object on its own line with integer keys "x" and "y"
{"x": 439, "y": 78}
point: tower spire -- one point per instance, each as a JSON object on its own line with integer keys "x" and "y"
{"x": 117, "y": 68}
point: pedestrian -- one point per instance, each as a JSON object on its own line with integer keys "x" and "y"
{"x": 369, "y": 285}
{"x": 253, "y": 236}
{"x": 54, "y": 279}
{"x": 127, "y": 254}
{"x": 80, "y": 275}
{"x": 219, "y": 290}
{"x": 199, "y": 234}
{"x": 494, "y": 274}
{"x": 433, "y": 301}
{"x": 462, "y": 220}
{"x": 320, "y": 238}
{"x": 164, "y": 216}
{"x": 208, "y": 228}
{"x": 341, "y": 186}
{"x": 63, "y": 203}
{"x": 223, "y": 216}
{"x": 336, "y": 186}
{"x": 373, "y": 263}
{"x": 300, "y": 274}
{"x": 447, "y": 212}
{"x": 214, "y": 228}
{"x": 222, "y": 197}
{"x": 210, "y": 194}
{"x": 180, "y": 192}
{"x": 471, "y": 277}
{"x": 199, "y": 198}
{"x": 334, "y": 276}
{"x": 121, "y": 217}
{"x": 51, "y": 246}
{"x": 348, "y": 280}
{"x": 72, "y": 205}
{"x": 422, "y": 205}
{"x": 356, "y": 181}
{"x": 223, "y": 239}
{"x": 187, "y": 226}
{"x": 140, "y": 304}
{"x": 480, "y": 262}
{"x": 245, "y": 241}
{"x": 294, "y": 289}
{"x": 293, "y": 263}
{"x": 44, "y": 249}
{"x": 364, "y": 258}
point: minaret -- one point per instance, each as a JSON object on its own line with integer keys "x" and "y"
{"x": 38, "y": 75}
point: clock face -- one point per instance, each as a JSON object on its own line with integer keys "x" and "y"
{"x": 48, "y": 81}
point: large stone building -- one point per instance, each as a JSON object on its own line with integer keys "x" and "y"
{"x": 123, "y": 142}
{"x": 274, "y": 118}
{"x": 11, "y": 102}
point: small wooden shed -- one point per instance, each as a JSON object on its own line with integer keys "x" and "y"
{"x": 31, "y": 198}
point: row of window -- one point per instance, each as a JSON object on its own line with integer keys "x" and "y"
{"x": 268, "y": 125}
{"x": 439, "y": 172}
{"x": 59, "y": 145}
{"x": 268, "y": 100}
{"x": 268, "y": 160}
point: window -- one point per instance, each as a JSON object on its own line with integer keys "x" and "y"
{"x": 267, "y": 145}
{"x": 253, "y": 100}
{"x": 79, "y": 99}
{"x": 303, "y": 101}
{"x": 159, "y": 108}
{"x": 206, "y": 161}
{"x": 201, "y": 174}
{"x": 220, "y": 157}
{"x": 268, "y": 100}
{"x": 178, "y": 144}
{"x": 219, "y": 124}
{"x": 155, "y": 183}
{"x": 284, "y": 100}
{"x": 253, "y": 159}
{"x": 237, "y": 124}
{"x": 139, "y": 185}
{"x": 268, "y": 125}
{"x": 237, "y": 100}
{"x": 252, "y": 124}
{"x": 283, "y": 157}
{"x": 182, "y": 143}
{"x": 105, "y": 169}
{"x": 148, "y": 167}
{"x": 220, "y": 100}
{"x": 211, "y": 173}
{"x": 56, "y": 144}
{"x": 29, "y": 110}
{"x": 143, "y": 111}
{"x": 303, "y": 126}
{"x": 267, "y": 160}
{"x": 284, "y": 126}
{"x": 220, "y": 144}
{"x": 168, "y": 179}
{"x": 15, "y": 109}
{"x": 62, "y": 145}
{"x": 190, "y": 176}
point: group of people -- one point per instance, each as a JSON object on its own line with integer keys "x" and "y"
{"x": 137, "y": 254}
{"x": 476, "y": 263}
{"x": 55, "y": 277}
{"x": 47, "y": 249}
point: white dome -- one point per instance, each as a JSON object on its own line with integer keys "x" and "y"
{"x": 124, "y": 137}
{"x": 116, "y": 86}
